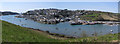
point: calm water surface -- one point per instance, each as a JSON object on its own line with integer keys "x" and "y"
{"x": 63, "y": 28}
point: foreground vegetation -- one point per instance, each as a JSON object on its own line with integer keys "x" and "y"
{"x": 14, "y": 33}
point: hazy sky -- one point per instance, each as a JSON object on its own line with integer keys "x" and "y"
{"x": 59, "y": 0}
{"x": 25, "y": 6}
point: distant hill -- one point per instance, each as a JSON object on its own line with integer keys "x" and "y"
{"x": 8, "y": 13}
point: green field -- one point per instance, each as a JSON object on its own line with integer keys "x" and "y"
{"x": 14, "y": 33}
{"x": 94, "y": 16}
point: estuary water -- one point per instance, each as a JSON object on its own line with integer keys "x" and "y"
{"x": 63, "y": 28}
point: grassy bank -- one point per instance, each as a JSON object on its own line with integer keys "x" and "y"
{"x": 14, "y": 33}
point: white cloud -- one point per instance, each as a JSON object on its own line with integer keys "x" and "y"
{"x": 60, "y": 0}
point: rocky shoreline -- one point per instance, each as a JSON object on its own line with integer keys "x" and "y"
{"x": 94, "y": 22}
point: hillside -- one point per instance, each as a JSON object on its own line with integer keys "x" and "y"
{"x": 8, "y": 13}
{"x": 14, "y": 33}
{"x": 72, "y": 14}
{"x": 101, "y": 17}
{"x": 109, "y": 17}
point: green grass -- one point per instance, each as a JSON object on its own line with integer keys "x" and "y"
{"x": 105, "y": 38}
{"x": 14, "y": 33}
{"x": 93, "y": 16}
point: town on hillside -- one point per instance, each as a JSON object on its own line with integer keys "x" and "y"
{"x": 54, "y": 16}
